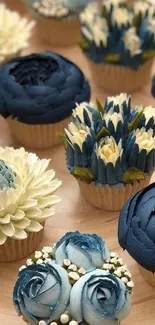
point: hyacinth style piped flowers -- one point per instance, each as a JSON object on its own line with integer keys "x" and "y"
{"x": 111, "y": 144}
{"x": 119, "y": 34}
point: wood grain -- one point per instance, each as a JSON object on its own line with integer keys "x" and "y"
{"x": 74, "y": 213}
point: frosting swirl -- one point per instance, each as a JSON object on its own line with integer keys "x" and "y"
{"x": 84, "y": 250}
{"x": 44, "y": 88}
{"x": 100, "y": 298}
{"x": 136, "y": 227}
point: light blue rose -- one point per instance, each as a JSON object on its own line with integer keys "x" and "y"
{"x": 84, "y": 250}
{"x": 100, "y": 298}
{"x": 42, "y": 293}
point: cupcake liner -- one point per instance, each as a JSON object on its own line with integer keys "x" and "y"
{"x": 64, "y": 32}
{"x": 116, "y": 79}
{"x": 148, "y": 276}
{"x": 14, "y": 250}
{"x": 110, "y": 198}
{"x": 39, "y": 136}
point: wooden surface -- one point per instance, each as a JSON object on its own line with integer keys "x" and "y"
{"x": 74, "y": 213}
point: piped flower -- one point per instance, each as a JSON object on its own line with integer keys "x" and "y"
{"x": 132, "y": 42}
{"x": 26, "y": 193}
{"x": 119, "y": 104}
{"x": 121, "y": 17}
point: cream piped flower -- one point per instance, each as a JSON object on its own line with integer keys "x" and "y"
{"x": 121, "y": 16}
{"x": 77, "y": 134}
{"x": 25, "y": 202}
{"x": 119, "y": 100}
{"x": 88, "y": 15}
{"x": 114, "y": 3}
{"x": 141, "y": 7}
{"x": 109, "y": 151}
{"x": 114, "y": 118}
{"x": 79, "y": 111}
{"x": 132, "y": 42}
{"x": 149, "y": 113}
{"x": 14, "y": 33}
{"x": 97, "y": 34}
{"x": 145, "y": 140}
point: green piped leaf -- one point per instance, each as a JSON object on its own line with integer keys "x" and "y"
{"x": 99, "y": 106}
{"x": 137, "y": 20}
{"x": 149, "y": 54}
{"x": 84, "y": 44}
{"x": 112, "y": 58}
{"x": 85, "y": 174}
{"x": 62, "y": 139}
{"x": 134, "y": 124}
{"x": 102, "y": 134}
{"x": 133, "y": 174}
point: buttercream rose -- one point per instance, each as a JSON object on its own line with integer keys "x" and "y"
{"x": 41, "y": 88}
{"x": 137, "y": 227}
{"x": 42, "y": 292}
{"x": 100, "y": 298}
{"x": 84, "y": 250}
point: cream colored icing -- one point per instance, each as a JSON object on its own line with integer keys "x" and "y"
{"x": 25, "y": 208}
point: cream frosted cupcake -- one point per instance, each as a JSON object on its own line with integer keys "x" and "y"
{"x": 63, "y": 279}
{"x": 15, "y": 32}
{"x": 26, "y": 201}
{"x": 119, "y": 42}
{"x": 57, "y": 20}
{"x": 110, "y": 150}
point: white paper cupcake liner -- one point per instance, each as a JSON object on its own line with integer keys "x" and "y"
{"x": 148, "y": 276}
{"x": 40, "y": 136}
{"x": 110, "y": 198}
{"x": 14, "y": 250}
{"x": 116, "y": 79}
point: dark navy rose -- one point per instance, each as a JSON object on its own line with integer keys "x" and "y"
{"x": 136, "y": 231}
{"x": 42, "y": 292}
{"x": 100, "y": 298}
{"x": 41, "y": 88}
{"x": 84, "y": 250}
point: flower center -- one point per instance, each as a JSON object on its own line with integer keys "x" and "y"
{"x": 34, "y": 71}
{"x": 7, "y": 176}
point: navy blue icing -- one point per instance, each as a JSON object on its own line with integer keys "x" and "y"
{"x": 136, "y": 229}
{"x": 41, "y": 88}
{"x": 153, "y": 87}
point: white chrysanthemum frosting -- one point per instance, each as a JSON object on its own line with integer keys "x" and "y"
{"x": 132, "y": 42}
{"x": 145, "y": 140}
{"x": 77, "y": 135}
{"x": 121, "y": 16}
{"x": 14, "y": 33}
{"x": 24, "y": 207}
{"x": 109, "y": 151}
{"x": 114, "y": 118}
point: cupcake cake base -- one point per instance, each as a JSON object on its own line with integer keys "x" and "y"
{"x": 14, "y": 250}
{"x": 148, "y": 276}
{"x": 115, "y": 79}
{"x": 39, "y": 136}
{"x": 110, "y": 198}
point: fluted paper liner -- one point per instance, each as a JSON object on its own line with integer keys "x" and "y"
{"x": 40, "y": 136}
{"x": 14, "y": 250}
{"x": 110, "y": 198}
{"x": 148, "y": 276}
{"x": 116, "y": 79}
{"x": 58, "y": 32}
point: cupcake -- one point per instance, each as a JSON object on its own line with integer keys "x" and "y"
{"x": 136, "y": 231}
{"x": 15, "y": 32}
{"x": 119, "y": 43}
{"x": 37, "y": 95}
{"x": 110, "y": 150}
{"x": 54, "y": 286}
{"x": 57, "y": 20}
{"x": 26, "y": 201}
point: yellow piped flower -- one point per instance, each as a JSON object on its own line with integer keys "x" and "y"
{"x": 24, "y": 208}
{"x": 109, "y": 151}
{"x": 14, "y": 33}
{"x": 145, "y": 140}
{"x": 77, "y": 135}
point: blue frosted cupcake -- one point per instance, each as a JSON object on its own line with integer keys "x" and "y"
{"x": 119, "y": 42}
{"x": 57, "y": 20}
{"x": 37, "y": 95}
{"x": 110, "y": 150}
{"x": 137, "y": 228}
{"x": 57, "y": 282}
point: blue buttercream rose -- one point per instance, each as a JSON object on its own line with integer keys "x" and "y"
{"x": 100, "y": 298}
{"x": 84, "y": 250}
{"x": 41, "y": 88}
{"x": 42, "y": 293}
{"x": 136, "y": 230}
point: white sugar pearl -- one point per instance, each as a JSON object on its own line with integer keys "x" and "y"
{"x": 38, "y": 254}
{"x": 130, "y": 284}
{"x": 42, "y": 322}
{"x": 82, "y": 271}
{"x": 128, "y": 274}
{"x": 120, "y": 261}
{"x": 29, "y": 262}
{"x": 36, "y": 5}
{"x": 118, "y": 273}
{"x": 124, "y": 268}
{"x": 47, "y": 249}
{"x": 53, "y": 323}
{"x": 64, "y": 319}
{"x": 73, "y": 276}
{"x": 67, "y": 262}
{"x": 45, "y": 255}
{"x": 113, "y": 254}
{"x": 125, "y": 280}
{"x": 48, "y": 260}
{"x": 73, "y": 322}
{"x": 72, "y": 267}
{"x": 113, "y": 260}
{"x": 22, "y": 268}
{"x": 40, "y": 261}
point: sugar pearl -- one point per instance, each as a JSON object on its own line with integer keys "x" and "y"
{"x": 118, "y": 273}
{"x": 47, "y": 249}
{"x": 130, "y": 284}
{"x": 125, "y": 280}
{"x": 120, "y": 261}
{"x": 48, "y": 260}
{"x": 82, "y": 271}
{"x": 64, "y": 319}
{"x": 106, "y": 266}
{"x": 45, "y": 255}
{"x": 113, "y": 254}
{"x": 22, "y": 268}
{"x": 42, "y": 322}
{"x": 67, "y": 262}
{"x": 128, "y": 274}
{"x": 124, "y": 268}
{"x": 38, "y": 254}
{"x": 40, "y": 261}
{"x": 29, "y": 262}
{"x": 113, "y": 260}
{"x": 72, "y": 267}
{"x": 73, "y": 276}
{"x": 53, "y": 323}
{"x": 73, "y": 322}
{"x": 36, "y": 5}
